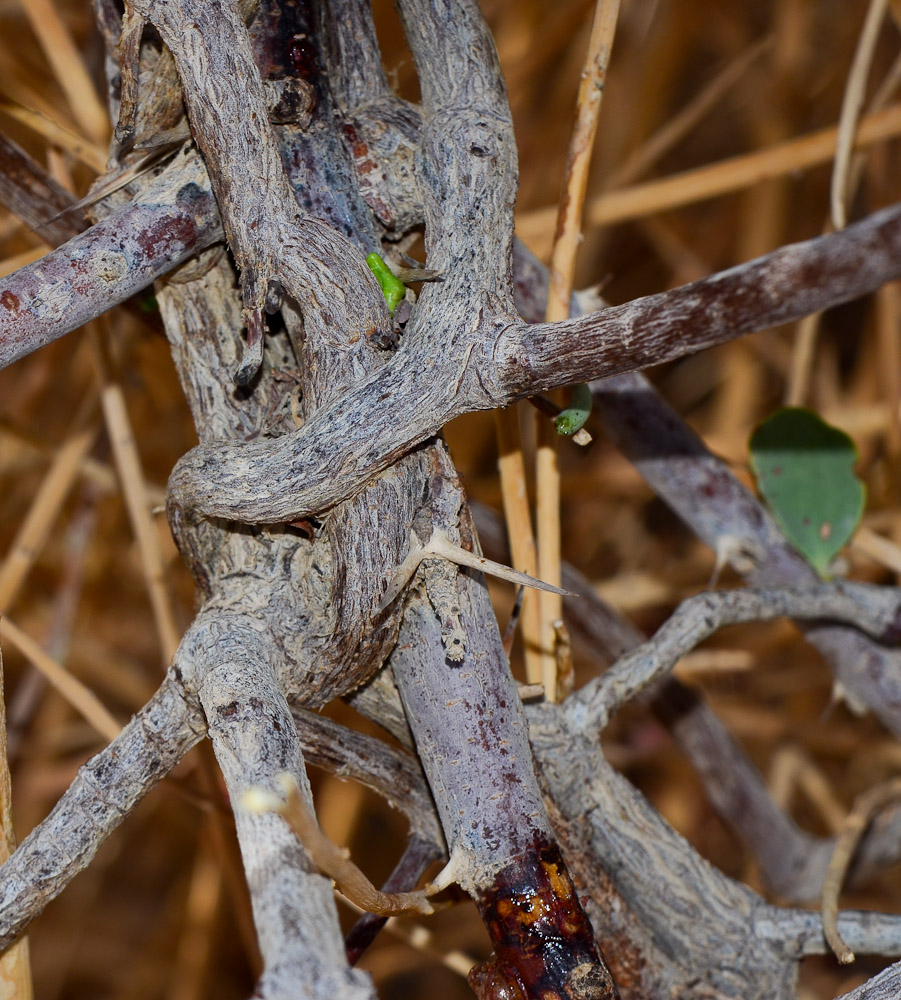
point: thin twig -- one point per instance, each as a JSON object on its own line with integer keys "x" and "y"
{"x": 855, "y": 824}
{"x": 698, "y": 617}
{"x": 331, "y": 860}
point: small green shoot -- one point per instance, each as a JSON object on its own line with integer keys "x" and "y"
{"x": 392, "y": 287}
{"x": 573, "y": 418}
{"x": 805, "y": 472}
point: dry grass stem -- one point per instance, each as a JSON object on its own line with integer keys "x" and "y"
{"x": 793, "y": 769}
{"x": 675, "y": 129}
{"x": 90, "y": 154}
{"x": 562, "y": 271}
{"x": 131, "y": 476}
{"x": 515, "y": 499}
{"x": 713, "y": 180}
{"x": 195, "y": 947}
{"x": 804, "y": 350}
{"x": 855, "y": 91}
{"x": 81, "y": 698}
{"x": 69, "y": 69}
{"x": 878, "y": 548}
{"x": 44, "y": 511}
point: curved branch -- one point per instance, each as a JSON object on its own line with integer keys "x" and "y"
{"x": 463, "y": 353}
{"x": 874, "y": 609}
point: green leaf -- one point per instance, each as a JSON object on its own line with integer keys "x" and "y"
{"x": 805, "y": 472}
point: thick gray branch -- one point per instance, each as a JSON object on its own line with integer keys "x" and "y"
{"x": 173, "y": 220}
{"x": 785, "y": 285}
{"x": 255, "y": 741}
{"x": 275, "y": 251}
{"x": 885, "y": 986}
{"x": 465, "y": 353}
{"x": 104, "y": 791}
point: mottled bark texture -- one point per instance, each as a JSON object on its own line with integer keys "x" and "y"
{"x": 319, "y": 468}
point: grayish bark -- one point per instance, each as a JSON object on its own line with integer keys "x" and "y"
{"x": 171, "y": 221}
{"x": 291, "y": 611}
{"x": 873, "y": 609}
{"x": 885, "y": 986}
{"x": 105, "y": 790}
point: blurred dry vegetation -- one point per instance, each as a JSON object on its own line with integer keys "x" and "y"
{"x": 738, "y": 84}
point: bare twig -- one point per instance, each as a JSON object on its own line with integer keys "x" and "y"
{"x": 849, "y": 837}
{"x": 722, "y": 512}
{"x": 868, "y": 608}
{"x": 330, "y": 859}
{"x": 638, "y": 851}
{"x": 394, "y": 774}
